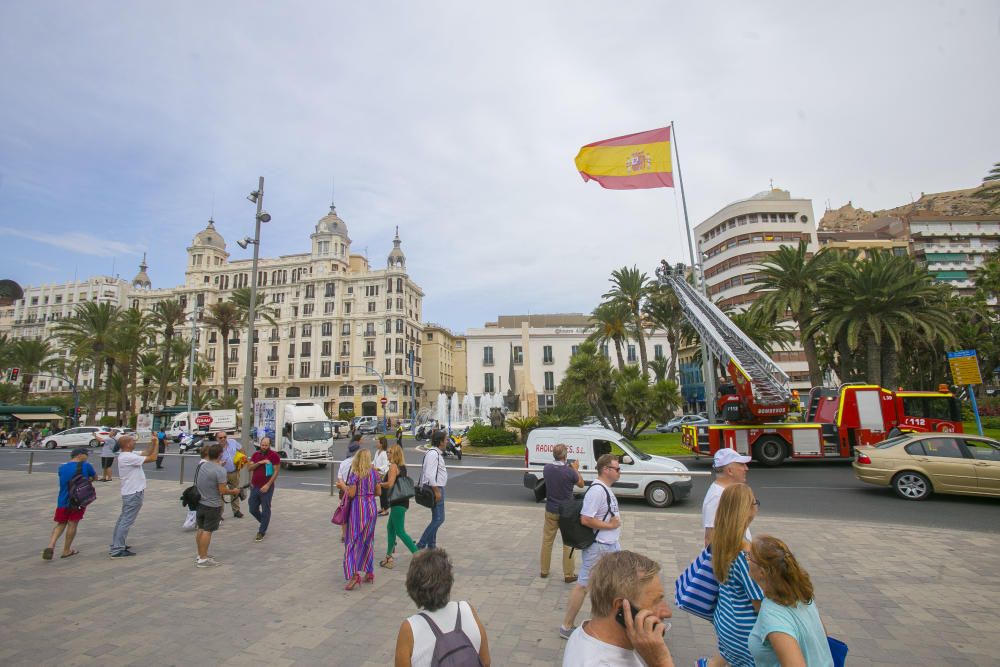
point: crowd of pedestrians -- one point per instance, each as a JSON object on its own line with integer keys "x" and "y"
{"x": 764, "y": 612}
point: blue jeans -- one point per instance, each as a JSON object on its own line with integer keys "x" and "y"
{"x": 131, "y": 504}
{"x": 429, "y": 538}
{"x": 260, "y": 507}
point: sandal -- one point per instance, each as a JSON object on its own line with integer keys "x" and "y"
{"x": 73, "y": 552}
{"x": 46, "y": 554}
{"x": 387, "y": 563}
{"x": 353, "y": 583}
{"x": 384, "y": 513}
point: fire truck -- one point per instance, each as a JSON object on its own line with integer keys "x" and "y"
{"x": 755, "y": 400}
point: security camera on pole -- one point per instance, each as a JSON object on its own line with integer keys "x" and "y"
{"x": 257, "y": 197}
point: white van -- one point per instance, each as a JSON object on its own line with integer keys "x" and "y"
{"x": 661, "y": 482}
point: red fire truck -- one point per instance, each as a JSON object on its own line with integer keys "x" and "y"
{"x": 756, "y": 399}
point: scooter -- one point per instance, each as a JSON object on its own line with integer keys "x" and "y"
{"x": 191, "y": 443}
{"x": 453, "y": 447}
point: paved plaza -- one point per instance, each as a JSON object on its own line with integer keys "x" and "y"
{"x": 897, "y": 596}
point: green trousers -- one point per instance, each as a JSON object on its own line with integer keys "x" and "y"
{"x": 397, "y": 517}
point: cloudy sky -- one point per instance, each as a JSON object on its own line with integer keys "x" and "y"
{"x": 124, "y": 126}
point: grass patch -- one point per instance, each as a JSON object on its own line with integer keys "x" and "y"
{"x": 970, "y": 429}
{"x": 502, "y": 450}
{"x": 661, "y": 444}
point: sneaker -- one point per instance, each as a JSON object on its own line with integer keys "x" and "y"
{"x": 123, "y": 554}
{"x": 259, "y": 538}
{"x": 701, "y": 662}
{"x": 564, "y": 633}
{"x": 238, "y": 515}
{"x": 206, "y": 562}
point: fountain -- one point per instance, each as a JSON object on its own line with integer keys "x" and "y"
{"x": 468, "y": 408}
{"x": 453, "y": 410}
{"x": 441, "y": 414}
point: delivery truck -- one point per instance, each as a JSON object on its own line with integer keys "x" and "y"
{"x": 298, "y": 429}
{"x": 201, "y": 421}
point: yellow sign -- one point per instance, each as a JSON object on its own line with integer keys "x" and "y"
{"x": 964, "y": 367}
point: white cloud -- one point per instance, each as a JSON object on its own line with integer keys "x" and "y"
{"x": 80, "y": 242}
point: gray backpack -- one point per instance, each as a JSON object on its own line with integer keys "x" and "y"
{"x": 452, "y": 649}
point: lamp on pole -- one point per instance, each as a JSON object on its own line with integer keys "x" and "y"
{"x": 257, "y": 197}
{"x": 413, "y": 395}
{"x": 195, "y": 314}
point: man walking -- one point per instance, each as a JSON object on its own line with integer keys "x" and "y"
{"x": 133, "y": 479}
{"x": 399, "y": 434}
{"x": 108, "y": 456}
{"x": 264, "y": 466}
{"x": 211, "y": 483}
{"x": 560, "y": 478}
{"x": 434, "y": 473}
{"x": 600, "y": 513}
{"x": 730, "y": 468}
{"x": 68, "y": 517}
{"x": 230, "y": 448}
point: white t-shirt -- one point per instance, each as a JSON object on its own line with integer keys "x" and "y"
{"x": 433, "y": 470}
{"x": 445, "y": 617}
{"x": 344, "y": 471}
{"x": 710, "y": 506}
{"x": 595, "y": 504}
{"x": 130, "y": 470}
{"x": 381, "y": 462}
{"x": 582, "y": 650}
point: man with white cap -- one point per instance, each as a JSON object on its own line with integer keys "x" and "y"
{"x": 730, "y": 468}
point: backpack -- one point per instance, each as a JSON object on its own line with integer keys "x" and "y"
{"x": 81, "y": 489}
{"x": 574, "y": 534}
{"x": 191, "y": 496}
{"x": 452, "y": 649}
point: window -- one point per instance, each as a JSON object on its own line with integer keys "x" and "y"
{"x": 657, "y": 351}
{"x": 388, "y": 326}
{"x": 345, "y": 329}
{"x": 291, "y": 350}
{"x": 399, "y": 326}
{"x": 306, "y": 349}
{"x": 388, "y": 366}
{"x": 307, "y": 309}
{"x": 369, "y": 348}
{"x": 399, "y": 346}
{"x": 292, "y": 392}
{"x": 399, "y": 285}
{"x": 518, "y": 355}
{"x": 573, "y": 350}
{"x": 430, "y": 336}
{"x": 550, "y": 382}
{"x": 371, "y": 306}
{"x": 631, "y": 354}
{"x": 329, "y": 307}
{"x": 212, "y": 338}
{"x": 347, "y": 307}
{"x": 345, "y": 349}
{"x": 326, "y": 329}
{"x": 983, "y": 451}
{"x": 231, "y": 372}
{"x": 273, "y": 372}
{"x": 234, "y": 354}
{"x": 547, "y": 354}
{"x": 324, "y": 369}
{"x": 304, "y": 369}
{"x": 325, "y": 348}
{"x": 307, "y": 330}
{"x": 399, "y": 366}
{"x": 399, "y": 303}
{"x": 604, "y": 350}
{"x": 330, "y": 290}
{"x": 488, "y": 356}
{"x": 488, "y": 383}
{"x": 942, "y": 448}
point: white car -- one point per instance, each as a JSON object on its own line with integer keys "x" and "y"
{"x": 78, "y": 436}
{"x": 674, "y": 425}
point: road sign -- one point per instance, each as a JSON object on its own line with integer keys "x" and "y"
{"x": 384, "y": 401}
{"x": 203, "y": 420}
{"x": 964, "y": 367}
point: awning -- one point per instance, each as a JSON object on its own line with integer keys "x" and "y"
{"x": 51, "y": 416}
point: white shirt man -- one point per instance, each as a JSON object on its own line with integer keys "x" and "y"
{"x": 730, "y": 468}
{"x": 133, "y": 480}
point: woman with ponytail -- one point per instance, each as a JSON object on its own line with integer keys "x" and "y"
{"x": 788, "y": 631}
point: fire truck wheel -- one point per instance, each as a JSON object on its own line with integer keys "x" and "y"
{"x": 659, "y": 494}
{"x": 770, "y": 451}
{"x": 910, "y": 485}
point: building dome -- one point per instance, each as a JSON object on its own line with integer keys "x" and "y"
{"x": 210, "y": 237}
{"x": 331, "y": 223}
{"x": 396, "y": 257}
{"x": 142, "y": 278}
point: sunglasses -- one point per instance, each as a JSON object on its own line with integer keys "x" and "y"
{"x": 614, "y": 468}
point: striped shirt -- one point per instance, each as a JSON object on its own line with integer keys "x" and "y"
{"x": 734, "y": 615}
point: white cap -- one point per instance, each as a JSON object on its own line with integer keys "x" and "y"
{"x": 725, "y": 456}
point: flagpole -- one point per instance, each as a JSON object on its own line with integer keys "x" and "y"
{"x": 707, "y": 363}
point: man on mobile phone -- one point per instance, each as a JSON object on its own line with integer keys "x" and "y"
{"x": 264, "y": 466}
{"x": 133, "y": 480}
{"x": 628, "y": 612}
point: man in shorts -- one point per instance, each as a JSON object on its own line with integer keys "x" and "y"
{"x": 68, "y": 517}
{"x": 108, "y": 457}
{"x": 212, "y": 486}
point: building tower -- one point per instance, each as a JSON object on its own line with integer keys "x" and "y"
{"x": 141, "y": 280}
{"x": 397, "y": 260}
{"x": 331, "y": 240}
{"x": 207, "y": 252}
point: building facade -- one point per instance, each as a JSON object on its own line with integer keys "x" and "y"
{"x": 732, "y": 243}
{"x": 342, "y": 331}
{"x": 953, "y": 247}
{"x": 444, "y": 363}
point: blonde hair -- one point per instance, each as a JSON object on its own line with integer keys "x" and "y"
{"x": 618, "y": 575}
{"x": 785, "y": 581}
{"x": 361, "y": 464}
{"x": 396, "y": 456}
{"x": 731, "y": 521}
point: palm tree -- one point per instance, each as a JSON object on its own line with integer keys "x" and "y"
{"x": 225, "y": 316}
{"x": 630, "y": 288}
{"x": 32, "y": 357}
{"x": 873, "y": 302}
{"x": 990, "y": 189}
{"x": 789, "y": 280}
{"x": 660, "y": 368}
{"x": 6, "y": 346}
{"x": 988, "y": 276}
{"x": 611, "y": 324}
{"x": 90, "y": 331}
{"x": 663, "y": 311}
{"x": 166, "y": 317}
{"x": 149, "y": 369}
{"x": 241, "y": 297}
{"x": 134, "y": 334}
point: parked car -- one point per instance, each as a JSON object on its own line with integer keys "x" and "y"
{"x": 916, "y": 465}
{"x": 674, "y": 425}
{"x": 369, "y": 427}
{"x": 340, "y": 428}
{"x": 78, "y": 436}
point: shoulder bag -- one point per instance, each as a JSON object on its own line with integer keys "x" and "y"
{"x": 343, "y": 511}
{"x": 696, "y": 590}
{"x": 191, "y": 496}
{"x": 424, "y": 493}
{"x": 402, "y": 490}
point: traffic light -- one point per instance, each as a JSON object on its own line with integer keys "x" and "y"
{"x": 12, "y": 374}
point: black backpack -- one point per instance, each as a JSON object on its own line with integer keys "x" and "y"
{"x": 574, "y": 534}
{"x": 81, "y": 489}
{"x": 191, "y": 496}
{"x": 452, "y": 649}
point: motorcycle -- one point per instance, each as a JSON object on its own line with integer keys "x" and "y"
{"x": 191, "y": 443}
{"x": 453, "y": 447}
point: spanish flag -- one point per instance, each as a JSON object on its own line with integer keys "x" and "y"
{"x": 633, "y": 162}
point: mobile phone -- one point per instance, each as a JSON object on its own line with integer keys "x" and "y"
{"x": 268, "y": 469}
{"x": 620, "y": 616}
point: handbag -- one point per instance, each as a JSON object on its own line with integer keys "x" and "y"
{"x": 343, "y": 511}
{"x": 696, "y": 590}
{"x": 401, "y": 491}
{"x": 838, "y": 650}
{"x": 424, "y": 493}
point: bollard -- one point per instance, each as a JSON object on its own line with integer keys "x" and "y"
{"x": 31, "y": 461}
{"x": 182, "y": 469}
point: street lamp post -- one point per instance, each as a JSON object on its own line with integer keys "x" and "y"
{"x": 194, "y": 332}
{"x": 257, "y": 196}
{"x": 413, "y": 394}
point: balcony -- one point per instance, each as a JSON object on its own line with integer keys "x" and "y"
{"x": 369, "y": 333}
{"x": 369, "y": 354}
{"x": 486, "y": 362}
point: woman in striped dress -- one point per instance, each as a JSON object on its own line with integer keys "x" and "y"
{"x": 739, "y": 595}
{"x": 362, "y": 486}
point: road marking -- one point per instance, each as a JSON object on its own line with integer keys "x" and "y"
{"x": 37, "y": 463}
{"x": 313, "y": 484}
{"x": 814, "y": 488}
{"x": 495, "y": 483}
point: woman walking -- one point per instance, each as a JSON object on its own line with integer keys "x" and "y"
{"x": 739, "y": 595}
{"x": 788, "y": 631}
{"x": 362, "y": 487}
{"x": 397, "y": 513}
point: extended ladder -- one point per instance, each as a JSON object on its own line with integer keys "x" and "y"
{"x": 726, "y": 340}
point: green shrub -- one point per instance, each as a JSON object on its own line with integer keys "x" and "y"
{"x": 107, "y": 420}
{"x": 487, "y": 436}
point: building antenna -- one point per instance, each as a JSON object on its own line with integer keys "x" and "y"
{"x": 333, "y": 192}
{"x": 770, "y": 183}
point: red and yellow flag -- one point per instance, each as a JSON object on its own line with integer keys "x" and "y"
{"x": 633, "y": 162}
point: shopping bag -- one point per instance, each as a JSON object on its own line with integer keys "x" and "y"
{"x": 696, "y": 590}
{"x": 838, "y": 650}
{"x": 343, "y": 511}
{"x": 189, "y": 520}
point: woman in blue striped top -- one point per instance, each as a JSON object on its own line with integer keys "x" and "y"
{"x": 739, "y": 595}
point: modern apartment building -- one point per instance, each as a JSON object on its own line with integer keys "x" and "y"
{"x": 444, "y": 363}
{"x": 953, "y": 247}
